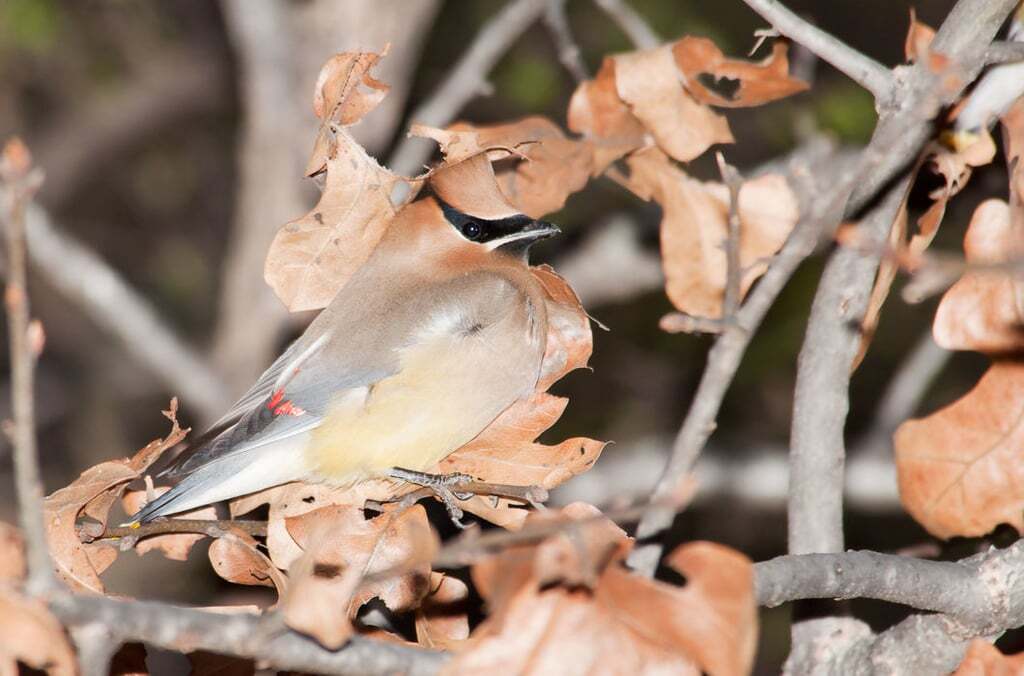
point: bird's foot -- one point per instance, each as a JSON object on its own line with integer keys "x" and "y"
{"x": 441, "y": 485}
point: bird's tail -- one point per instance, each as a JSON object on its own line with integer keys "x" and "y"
{"x": 235, "y": 474}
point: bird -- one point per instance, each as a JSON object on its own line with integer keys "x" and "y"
{"x": 441, "y": 330}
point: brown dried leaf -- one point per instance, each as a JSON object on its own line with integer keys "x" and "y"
{"x": 984, "y": 310}
{"x": 648, "y": 81}
{"x": 887, "y": 269}
{"x": 570, "y": 340}
{"x": 506, "y": 453}
{"x": 441, "y": 620}
{"x": 552, "y": 167}
{"x": 961, "y": 469}
{"x": 541, "y": 624}
{"x": 175, "y": 546}
{"x": 955, "y": 166}
{"x": 919, "y": 39}
{"x": 311, "y": 258}
{"x": 706, "y": 71}
{"x": 12, "y": 554}
{"x": 597, "y": 112}
{"x": 344, "y": 93}
{"x": 695, "y": 224}
{"x": 470, "y": 186}
{"x": 80, "y": 565}
{"x": 984, "y": 659}
{"x": 235, "y": 558}
{"x": 31, "y": 635}
{"x": 340, "y": 549}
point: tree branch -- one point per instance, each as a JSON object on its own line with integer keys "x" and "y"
{"x": 561, "y": 33}
{"x": 860, "y": 68}
{"x": 984, "y": 601}
{"x": 262, "y": 638}
{"x": 821, "y": 400}
{"x": 20, "y": 182}
{"x": 900, "y": 134}
{"x": 466, "y": 80}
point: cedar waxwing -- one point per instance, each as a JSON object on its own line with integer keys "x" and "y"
{"x": 442, "y": 329}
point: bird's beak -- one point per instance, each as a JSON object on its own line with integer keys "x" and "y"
{"x": 542, "y": 230}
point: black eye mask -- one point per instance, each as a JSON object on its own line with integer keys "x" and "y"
{"x": 482, "y": 230}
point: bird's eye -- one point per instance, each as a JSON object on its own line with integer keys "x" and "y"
{"x": 471, "y": 230}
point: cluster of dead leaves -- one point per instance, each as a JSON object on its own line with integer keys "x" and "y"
{"x": 960, "y": 469}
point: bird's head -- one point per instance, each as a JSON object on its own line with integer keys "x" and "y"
{"x": 512, "y": 234}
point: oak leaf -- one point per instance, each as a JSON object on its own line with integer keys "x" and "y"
{"x": 597, "y": 112}
{"x": 31, "y": 635}
{"x": 695, "y": 225}
{"x": 648, "y": 81}
{"x": 984, "y": 309}
{"x": 712, "y": 78}
{"x": 341, "y": 549}
{"x": 312, "y": 257}
{"x": 77, "y": 564}
{"x": 961, "y": 469}
{"x": 441, "y": 620}
{"x": 624, "y": 623}
{"x": 235, "y": 558}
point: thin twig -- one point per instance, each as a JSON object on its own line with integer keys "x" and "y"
{"x": 561, "y": 33}
{"x": 631, "y": 23}
{"x": 212, "y": 528}
{"x": 898, "y": 138}
{"x": 466, "y": 80}
{"x": 733, "y": 273}
{"x": 1004, "y": 51}
{"x": 862, "y": 69}
{"x": 20, "y": 182}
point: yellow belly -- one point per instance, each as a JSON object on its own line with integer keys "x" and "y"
{"x": 446, "y": 393}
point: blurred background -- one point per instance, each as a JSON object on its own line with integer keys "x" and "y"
{"x": 173, "y": 136}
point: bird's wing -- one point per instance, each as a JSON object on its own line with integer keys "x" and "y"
{"x": 292, "y": 396}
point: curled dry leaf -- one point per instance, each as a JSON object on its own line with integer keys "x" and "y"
{"x": 471, "y": 187}
{"x": 597, "y": 112}
{"x": 441, "y": 620}
{"x": 712, "y": 78}
{"x": 77, "y": 564}
{"x": 12, "y": 554}
{"x": 340, "y": 549}
{"x": 175, "y": 546}
{"x": 984, "y": 310}
{"x": 550, "y": 166}
{"x": 236, "y": 558}
{"x": 31, "y": 635}
{"x": 695, "y": 225}
{"x": 955, "y": 167}
{"x": 625, "y": 624}
{"x": 312, "y": 257}
{"x": 919, "y": 39}
{"x": 648, "y": 81}
{"x": 961, "y": 469}
{"x": 984, "y": 659}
